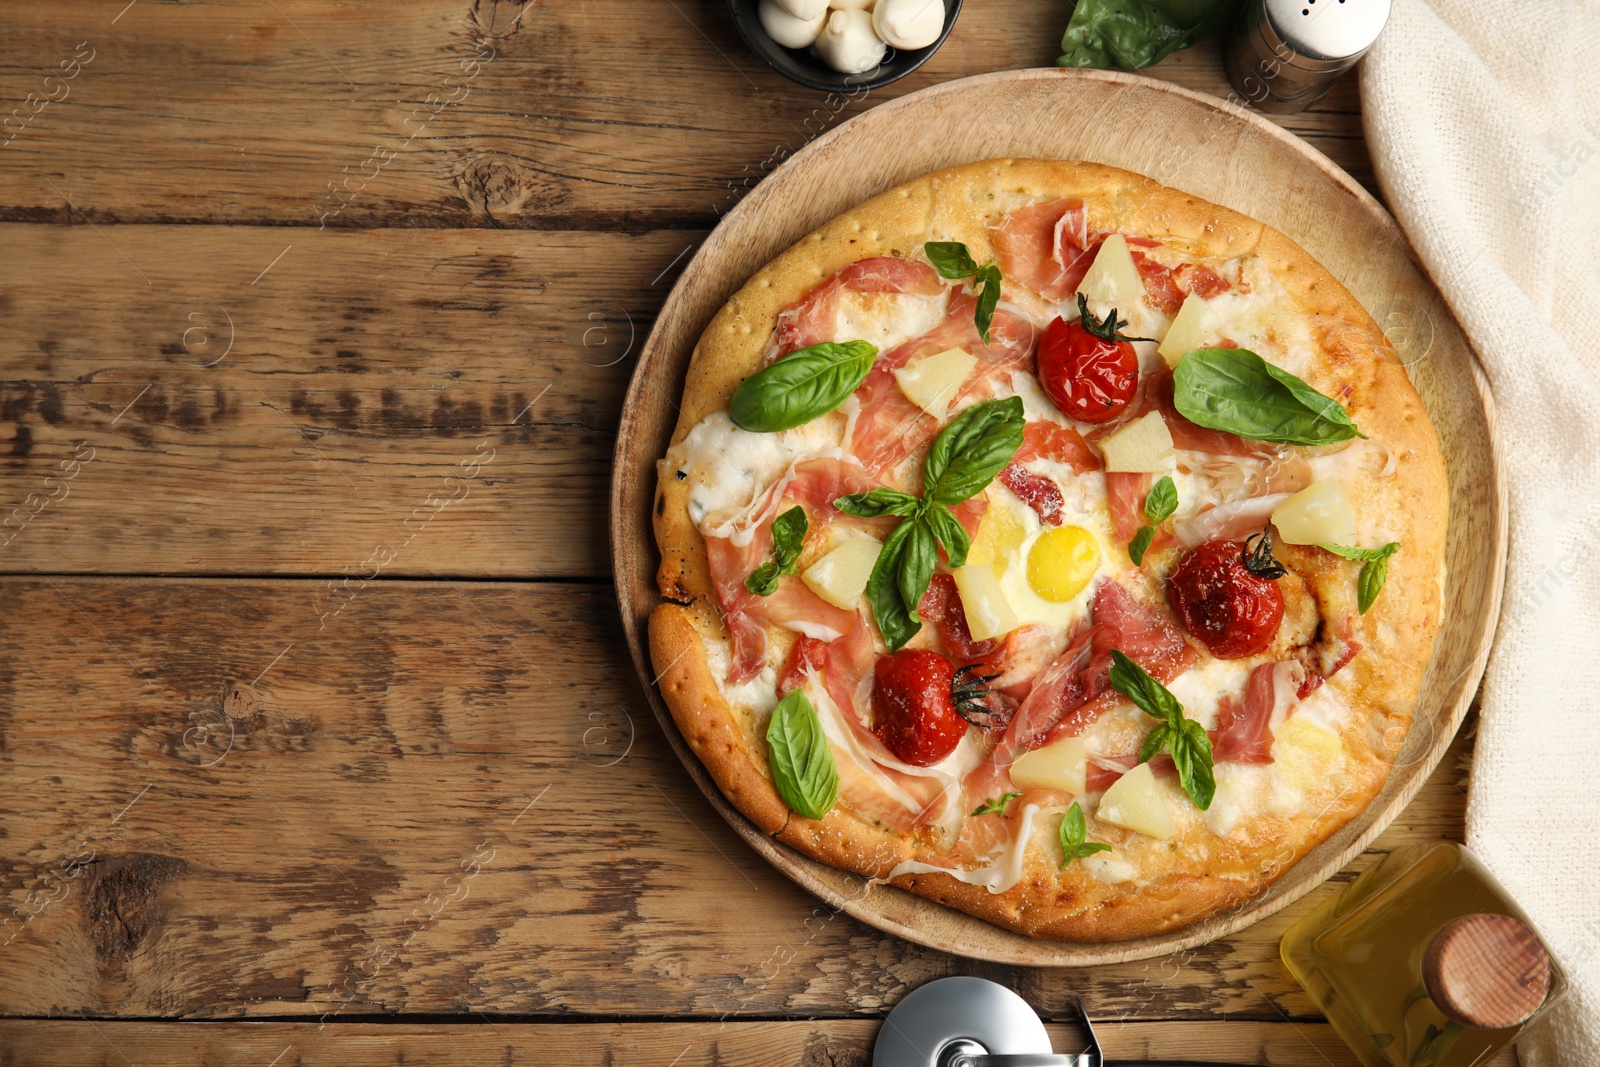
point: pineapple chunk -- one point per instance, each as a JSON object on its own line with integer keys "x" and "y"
{"x": 1143, "y": 446}
{"x": 1113, "y": 279}
{"x": 1000, "y": 535}
{"x": 989, "y": 613}
{"x": 1305, "y": 755}
{"x": 1191, "y": 329}
{"x": 1061, "y": 765}
{"x": 1319, "y": 514}
{"x": 1134, "y": 801}
{"x": 932, "y": 381}
{"x": 841, "y": 576}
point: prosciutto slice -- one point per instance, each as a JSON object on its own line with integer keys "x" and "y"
{"x": 737, "y": 546}
{"x": 1234, "y": 521}
{"x": 941, "y": 606}
{"x": 1244, "y": 726}
{"x": 1075, "y": 689}
{"x": 815, "y": 317}
{"x": 1046, "y": 247}
{"x": 1041, "y": 494}
{"x": 1167, "y": 286}
{"x": 1043, "y": 439}
{"x": 889, "y": 426}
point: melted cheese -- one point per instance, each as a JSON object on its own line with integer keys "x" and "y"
{"x": 886, "y": 319}
{"x": 1201, "y": 688}
{"x": 1109, "y": 867}
{"x": 1242, "y": 789}
{"x": 1266, "y": 320}
{"x": 759, "y": 694}
{"x": 726, "y": 467}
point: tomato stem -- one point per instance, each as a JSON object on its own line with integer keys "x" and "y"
{"x": 1105, "y": 329}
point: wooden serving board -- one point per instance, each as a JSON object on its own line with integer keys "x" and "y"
{"x": 1193, "y": 142}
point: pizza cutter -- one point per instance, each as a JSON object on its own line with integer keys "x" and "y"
{"x": 973, "y": 1022}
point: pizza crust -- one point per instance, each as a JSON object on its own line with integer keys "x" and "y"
{"x": 1361, "y": 370}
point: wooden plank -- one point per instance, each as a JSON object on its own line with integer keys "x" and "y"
{"x": 589, "y": 113}
{"x": 24, "y": 1043}
{"x": 221, "y": 801}
{"x": 246, "y": 400}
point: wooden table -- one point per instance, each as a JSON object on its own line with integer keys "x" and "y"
{"x": 318, "y": 742}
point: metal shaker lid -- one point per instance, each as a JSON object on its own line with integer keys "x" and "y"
{"x": 1328, "y": 30}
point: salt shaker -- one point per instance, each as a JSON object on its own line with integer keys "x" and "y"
{"x": 1284, "y": 54}
{"x": 1424, "y": 961}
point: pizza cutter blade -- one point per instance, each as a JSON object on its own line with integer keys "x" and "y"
{"x": 973, "y": 1022}
{"x": 967, "y": 1022}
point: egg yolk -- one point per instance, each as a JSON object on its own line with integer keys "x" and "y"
{"x": 1062, "y": 562}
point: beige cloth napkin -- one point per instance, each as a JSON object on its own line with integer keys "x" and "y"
{"x": 1483, "y": 117}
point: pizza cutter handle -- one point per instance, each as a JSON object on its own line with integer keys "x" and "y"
{"x": 1026, "y": 1059}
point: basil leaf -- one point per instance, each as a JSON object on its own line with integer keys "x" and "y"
{"x": 995, "y": 805}
{"x": 1325, "y": 406}
{"x": 950, "y": 258}
{"x": 883, "y": 589}
{"x": 1184, "y": 738}
{"x": 804, "y": 385}
{"x": 797, "y": 752}
{"x": 964, "y": 459}
{"x": 1154, "y": 742}
{"x": 974, "y": 448}
{"x": 1374, "y": 570}
{"x": 989, "y": 277}
{"x": 1236, "y": 391}
{"x": 1161, "y": 501}
{"x": 917, "y": 561}
{"x": 788, "y": 537}
{"x": 951, "y": 534}
{"x": 1191, "y": 754}
{"x": 1072, "y": 833}
{"x": 1133, "y": 34}
{"x": 878, "y": 502}
{"x": 763, "y": 581}
{"x": 1365, "y": 555}
{"x": 1149, "y": 695}
{"x": 1370, "y": 583}
{"x": 1141, "y": 544}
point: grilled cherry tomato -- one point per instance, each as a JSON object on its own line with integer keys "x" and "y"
{"x": 916, "y": 695}
{"x": 1234, "y": 611}
{"x": 1089, "y": 369}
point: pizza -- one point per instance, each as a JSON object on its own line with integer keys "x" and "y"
{"x": 1050, "y": 543}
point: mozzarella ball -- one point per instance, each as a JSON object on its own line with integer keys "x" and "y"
{"x": 805, "y": 10}
{"x": 850, "y": 5}
{"x": 848, "y": 44}
{"x": 786, "y": 29}
{"x": 908, "y": 23}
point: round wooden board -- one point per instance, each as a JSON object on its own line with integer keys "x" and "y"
{"x": 1193, "y": 142}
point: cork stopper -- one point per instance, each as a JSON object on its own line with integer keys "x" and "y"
{"x": 1486, "y": 971}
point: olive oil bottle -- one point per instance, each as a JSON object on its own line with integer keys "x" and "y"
{"x": 1424, "y": 961}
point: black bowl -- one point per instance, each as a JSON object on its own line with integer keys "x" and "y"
{"x": 798, "y": 64}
